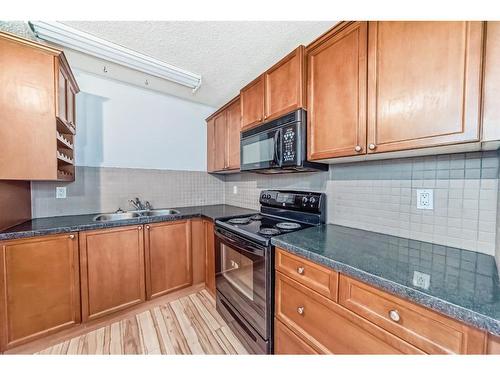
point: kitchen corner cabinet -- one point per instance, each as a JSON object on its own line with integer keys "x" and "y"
{"x": 37, "y": 112}
{"x": 223, "y": 138}
{"x": 491, "y": 85}
{"x": 427, "y": 92}
{"x": 278, "y": 91}
{"x": 209, "y": 256}
{"x": 39, "y": 288}
{"x": 112, "y": 270}
{"x": 337, "y": 93}
{"x": 168, "y": 257}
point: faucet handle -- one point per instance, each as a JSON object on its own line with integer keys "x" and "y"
{"x": 148, "y": 205}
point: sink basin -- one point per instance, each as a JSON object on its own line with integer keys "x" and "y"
{"x": 117, "y": 216}
{"x": 159, "y": 212}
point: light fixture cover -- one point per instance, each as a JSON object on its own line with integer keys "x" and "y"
{"x": 69, "y": 37}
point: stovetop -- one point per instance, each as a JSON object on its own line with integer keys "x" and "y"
{"x": 261, "y": 227}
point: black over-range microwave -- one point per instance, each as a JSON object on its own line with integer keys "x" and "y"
{"x": 278, "y": 146}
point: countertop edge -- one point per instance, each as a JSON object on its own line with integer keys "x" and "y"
{"x": 444, "y": 307}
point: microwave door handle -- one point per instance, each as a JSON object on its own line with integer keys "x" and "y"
{"x": 277, "y": 147}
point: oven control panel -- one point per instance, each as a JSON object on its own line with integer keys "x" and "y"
{"x": 294, "y": 200}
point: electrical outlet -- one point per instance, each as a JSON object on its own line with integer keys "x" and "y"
{"x": 425, "y": 199}
{"x": 421, "y": 280}
{"x": 235, "y": 189}
{"x": 61, "y": 192}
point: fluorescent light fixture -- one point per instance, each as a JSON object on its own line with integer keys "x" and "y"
{"x": 69, "y": 37}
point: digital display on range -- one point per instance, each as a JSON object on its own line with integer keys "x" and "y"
{"x": 284, "y": 198}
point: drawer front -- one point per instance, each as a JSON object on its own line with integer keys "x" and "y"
{"x": 287, "y": 342}
{"x": 327, "y": 326}
{"x": 318, "y": 278}
{"x": 430, "y": 331}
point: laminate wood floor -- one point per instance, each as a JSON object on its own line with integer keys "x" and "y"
{"x": 188, "y": 325}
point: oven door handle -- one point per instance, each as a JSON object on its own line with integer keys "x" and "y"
{"x": 246, "y": 248}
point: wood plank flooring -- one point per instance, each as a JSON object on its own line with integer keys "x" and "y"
{"x": 187, "y": 325}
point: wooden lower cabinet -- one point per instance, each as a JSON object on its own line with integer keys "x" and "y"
{"x": 330, "y": 328}
{"x": 39, "y": 288}
{"x": 209, "y": 256}
{"x": 112, "y": 270}
{"x": 426, "y": 329}
{"x": 168, "y": 257}
{"x": 287, "y": 342}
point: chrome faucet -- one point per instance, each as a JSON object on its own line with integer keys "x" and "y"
{"x": 137, "y": 204}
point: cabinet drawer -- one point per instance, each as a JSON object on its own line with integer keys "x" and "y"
{"x": 327, "y": 326}
{"x": 421, "y": 327}
{"x": 287, "y": 342}
{"x": 320, "y": 279}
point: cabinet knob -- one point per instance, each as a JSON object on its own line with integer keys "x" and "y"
{"x": 372, "y": 146}
{"x": 71, "y": 236}
{"x": 300, "y": 270}
{"x": 300, "y": 310}
{"x": 358, "y": 148}
{"x": 394, "y": 315}
{"x": 147, "y": 227}
{"x": 139, "y": 227}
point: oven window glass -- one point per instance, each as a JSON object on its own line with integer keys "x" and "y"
{"x": 259, "y": 149}
{"x": 237, "y": 269}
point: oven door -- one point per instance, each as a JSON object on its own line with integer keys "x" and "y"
{"x": 261, "y": 150}
{"x": 242, "y": 278}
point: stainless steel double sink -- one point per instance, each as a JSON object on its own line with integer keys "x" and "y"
{"x": 133, "y": 214}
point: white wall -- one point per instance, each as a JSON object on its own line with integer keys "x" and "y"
{"x": 120, "y": 125}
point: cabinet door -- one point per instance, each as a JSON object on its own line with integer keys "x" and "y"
{"x": 491, "y": 86}
{"x": 423, "y": 84}
{"x": 70, "y": 104}
{"x": 112, "y": 270}
{"x": 233, "y": 121}
{"x": 39, "y": 288}
{"x": 210, "y": 257}
{"x": 285, "y": 85}
{"x": 62, "y": 95}
{"x": 210, "y": 145}
{"x": 252, "y": 104}
{"x": 220, "y": 141}
{"x": 168, "y": 257}
{"x": 337, "y": 93}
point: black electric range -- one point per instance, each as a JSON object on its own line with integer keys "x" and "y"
{"x": 245, "y": 261}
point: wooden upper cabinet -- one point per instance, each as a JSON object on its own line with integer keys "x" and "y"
{"x": 39, "y": 288}
{"x": 491, "y": 86}
{"x": 220, "y": 141}
{"x": 112, "y": 270}
{"x": 337, "y": 67}
{"x": 284, "y": 85}
{"x": 423, "y": 84}
{"x": 168, "y": 257}
{"x": 210, "y": 145}
{"x": 252, "y": 103}
{"x": 37, "y": 101}
{"x": 233, "y": 123}
{"x": 223, "y": 138}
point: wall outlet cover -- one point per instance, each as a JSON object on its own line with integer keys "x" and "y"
{"x": 421, "y": 280}
{"x": 425, "y": 199}
{"x": 235, "y": 189}
{"x": 60, "y": 192}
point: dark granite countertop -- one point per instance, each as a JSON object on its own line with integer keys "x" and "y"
{"x": 463, "y": 284}
{"x": 75, "y": 223}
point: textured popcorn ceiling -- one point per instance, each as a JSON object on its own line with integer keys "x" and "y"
{"x": 227, "y": 54}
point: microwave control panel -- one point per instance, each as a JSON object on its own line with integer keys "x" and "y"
{"x": 289, "y": 145}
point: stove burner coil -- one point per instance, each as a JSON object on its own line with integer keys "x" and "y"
{"x": 256, "y": 217}
{"x": 269, "y": 231}
{"x": 239, "y": 220}
{"x": 288, "y": 226}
